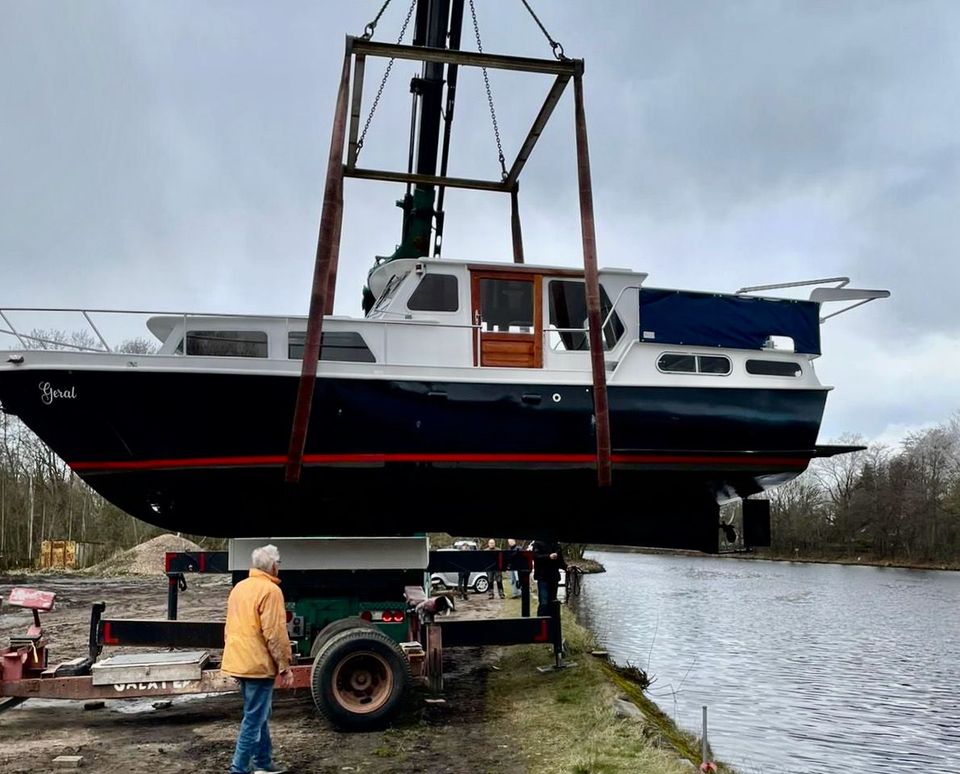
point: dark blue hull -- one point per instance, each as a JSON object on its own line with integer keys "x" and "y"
{"x": 204, "y": 453}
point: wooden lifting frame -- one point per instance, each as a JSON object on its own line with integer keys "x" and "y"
{"x": 328, "y": 242}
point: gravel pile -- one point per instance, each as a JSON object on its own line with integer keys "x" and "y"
{"x": 144, "y": 559}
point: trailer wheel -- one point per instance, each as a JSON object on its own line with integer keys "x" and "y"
{"x": 358, "y": 679}
{"x": 335, "y": 627}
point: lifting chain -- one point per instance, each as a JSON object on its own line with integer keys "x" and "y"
{"x": 557, "y": 48}
{"x": 486, "y": 83}
{"x": 368, "y": 30}
{"x": 376, "y": 100}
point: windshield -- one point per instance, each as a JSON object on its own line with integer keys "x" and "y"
{"x": 389, "y": 291}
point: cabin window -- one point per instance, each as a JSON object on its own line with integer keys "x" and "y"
{"x": 435, "y": 293}
{"x": 681, "y": 363}
{"x": 338, "y": 346}
{"x": 713, "y": 364}
{"x": 773, "y": 368}
{"x": 568, "y": 310}
{"x": 507, "y": 305}
{"x": 227, "y": 343}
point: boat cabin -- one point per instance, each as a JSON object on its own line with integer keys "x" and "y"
{"x": 449, "y": 314}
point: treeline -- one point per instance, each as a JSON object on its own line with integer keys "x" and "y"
{"x": 897, "y": 504}
{"x": 41, "y": 498}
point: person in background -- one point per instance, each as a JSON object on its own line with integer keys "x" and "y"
{"x": 513, "y": 548}
{"x": 257, "y": 650}
{"x": 494, "y": 576}
{"x": 463, "y": 578}
{"x": 547, "y": 563}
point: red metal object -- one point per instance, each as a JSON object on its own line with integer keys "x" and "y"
{"x": 33, "y": 599}
{"x": 592, "y": 281}
{"x": 27, "y": 654}
{"x": 324, "y": 277}
{"x": 23, "y": 661}
{"x": 211, "y": 681}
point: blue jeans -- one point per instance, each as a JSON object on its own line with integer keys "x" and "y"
{"x": 254, "y": 739}
{"x": 546, "y": 596}
{"x": 515, "y": 583}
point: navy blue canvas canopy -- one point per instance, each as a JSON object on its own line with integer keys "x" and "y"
{"x": 716, "y": 320}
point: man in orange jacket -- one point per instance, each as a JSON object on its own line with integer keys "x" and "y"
{"x": 256, "y": 650}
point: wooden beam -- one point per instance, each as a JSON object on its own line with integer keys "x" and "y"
{"x": 435, "y": 180}
{"x": 546, "y": 110}
{"x": 568, "y": 67}
{"x": 592, "y": 282}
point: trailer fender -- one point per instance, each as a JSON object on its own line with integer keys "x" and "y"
{"x": 335, "y": 627}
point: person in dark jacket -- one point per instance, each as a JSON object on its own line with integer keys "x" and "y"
{"x": 494, "y": 576}
{"x": 547, "y": 563}
{"x": 513, "y": 548}
{"x": 463, "y": 578}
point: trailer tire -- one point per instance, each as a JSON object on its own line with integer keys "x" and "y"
{"x": 359, "y": 678}
{"x": 335, "y": 627}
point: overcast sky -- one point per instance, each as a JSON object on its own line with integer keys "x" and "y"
{"x": 171, "y": 155}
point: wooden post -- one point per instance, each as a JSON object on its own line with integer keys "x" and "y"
{"x": 328, "y": 245}
{"x": 434, "y": 658}
{"x": 515, "y": 226}
{"x": 592, "y": 281}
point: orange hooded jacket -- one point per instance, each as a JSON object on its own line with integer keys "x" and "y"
{"x": 256, "y": 641}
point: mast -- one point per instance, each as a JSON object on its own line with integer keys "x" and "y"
{"x": 435, "y": 27}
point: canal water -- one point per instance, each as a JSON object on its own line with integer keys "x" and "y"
{"x": 803, "y": 667}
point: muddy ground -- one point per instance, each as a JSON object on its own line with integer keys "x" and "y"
{"x": 198, "y": 734}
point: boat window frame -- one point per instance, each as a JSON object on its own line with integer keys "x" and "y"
{"x": 185, "y": 342}
{"x": 797, "y": 373}
{"x": 696, "y": 356}
{"x": 615, "y": 328}
{"x": 330, "y": 348}
{"x": 424, "y": 278}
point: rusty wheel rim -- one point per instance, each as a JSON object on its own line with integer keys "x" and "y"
{"x": 362, "y": 682}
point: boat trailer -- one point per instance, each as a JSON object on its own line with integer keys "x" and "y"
{"x": 359, "y": 639}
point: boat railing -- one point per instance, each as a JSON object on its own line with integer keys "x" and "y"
{"x": 79, "y": 338}
{"x": 821, "y": 295}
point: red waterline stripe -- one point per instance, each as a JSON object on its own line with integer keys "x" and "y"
{"x": 279, "y": 459}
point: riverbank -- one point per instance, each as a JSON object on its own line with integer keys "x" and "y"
{"x": 812, "y": 557}
{"x": 591, "y": 718}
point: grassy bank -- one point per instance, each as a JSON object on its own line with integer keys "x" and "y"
{"x": 566, "y": 721}
{"x": 828, "y": 558}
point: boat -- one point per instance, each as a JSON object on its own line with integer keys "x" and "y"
{"x": 464, "y": 400}
{"x": 425, "y": 419}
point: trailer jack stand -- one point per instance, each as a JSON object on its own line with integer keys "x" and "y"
{"x": 559, "y": 644}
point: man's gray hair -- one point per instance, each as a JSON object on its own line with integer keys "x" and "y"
{"x": 265, "y": 557}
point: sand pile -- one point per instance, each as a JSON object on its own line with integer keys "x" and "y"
{"x": 144, "y": 559}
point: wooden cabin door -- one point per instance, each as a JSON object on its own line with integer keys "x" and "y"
{"x": 507, "y": 307}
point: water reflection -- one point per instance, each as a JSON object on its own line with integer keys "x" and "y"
{"x": 805, "y": 667}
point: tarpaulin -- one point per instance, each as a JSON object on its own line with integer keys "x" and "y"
{"x": 718, "y": 320}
